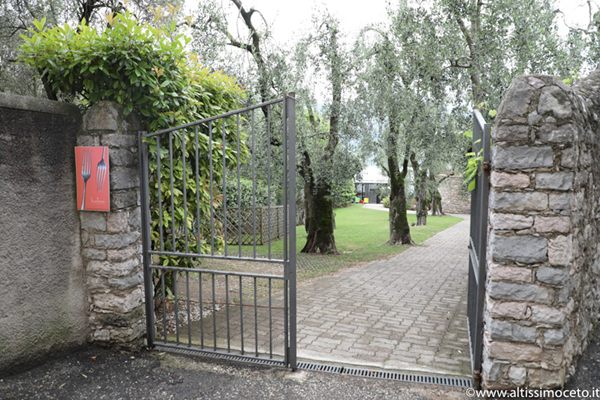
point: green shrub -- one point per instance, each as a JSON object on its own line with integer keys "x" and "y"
{"x": 386, "y": 202}
{"x": 148, "y": 70}
{"x": 343, "y": 193}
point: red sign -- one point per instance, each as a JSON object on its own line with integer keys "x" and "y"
{"x": 93, "y": 183}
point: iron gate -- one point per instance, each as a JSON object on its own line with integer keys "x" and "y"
{"x": 204, "y": 184}
{"x": 478, "y": 244}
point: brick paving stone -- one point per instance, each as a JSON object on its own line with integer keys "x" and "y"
{"x": 408, "y": 313}
{"x": 414, "y": 304}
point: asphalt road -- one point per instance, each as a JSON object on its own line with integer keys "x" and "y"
{"x": 95, "y": 373}
{"x": 101, "y": 374}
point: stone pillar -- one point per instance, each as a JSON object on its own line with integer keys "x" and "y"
{"x": 112, "y": 240}
{"x": 542, "y": 247}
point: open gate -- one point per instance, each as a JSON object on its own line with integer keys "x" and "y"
{"x": 219, "y": 237}
{"x": 478, "y": 244}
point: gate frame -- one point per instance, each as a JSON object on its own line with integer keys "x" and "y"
{"x": 289, "y": 257}
{"x": 478, "y": 245}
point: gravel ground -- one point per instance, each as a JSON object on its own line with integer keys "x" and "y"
{"x": 587, "y": 375}
{"x": 101, "y": 374}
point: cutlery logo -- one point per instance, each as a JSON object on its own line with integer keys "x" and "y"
{"x": 92, "y": 174}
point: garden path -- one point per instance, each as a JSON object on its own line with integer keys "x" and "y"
{"x": 406, "y": 313}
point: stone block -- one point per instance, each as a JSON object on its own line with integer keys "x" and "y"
{"x": 517, "y": 99}
{"x": 501, "y": 330}
{"x": 556, "y": 181}
{"x": 560, "y": 201}
{"x": 117, "y": 221}
{"x": 510, "y": 221}
{"x": 92, "y": 221}
{"x": 116, "y": 241}
{"x": 552, "y": 359}
{"x": 567, "y": 158}
{"x": 522, "y": 157}
{"x": 562, "y": 134}
{"x": 554, "y": 337}
{"x": 504, "y": 273}
{"x": 101, "y": 117}
{"x": 555, "y": 101}
{"x": 124, "y": 178}
{"x": 127, "y": 282}
{"x": 527, "y": 201}
{"x": 510, "y": 133}
{"x": 517, "y": 375}
{"x": 122, "y": 157}
{"x": 93, "y": 254}
{"x": 135, "y": 219}
{"x": 123, "y": 199}
{"x": 523, "y": 249}
{"x": 508, "y": 309}
{"x": 491, "y": 370}
{"x": 503, "y": 179}
{"x": 88, "y": 140}
{"x": 122, "y": 254}
{"x": 514, "y": 352}
{"x": 118, "y": 303}
{"x": 552, "y": 224}
{"x": 101, "y": 335}
{"x": 123, "y": 320}
{"x": 552, "y": 276}
{"x": 517, "y": 292}
{"x": 534, "y": 118}
{"x": 551, "y": 379}
{"x": 113, "y": 269}
{"x": 559, "y": 250}
{"x": 119, "y": 140}
{"x": 547, "y": 315}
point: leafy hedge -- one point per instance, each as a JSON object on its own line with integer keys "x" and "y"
{"x": 148, "y": 70}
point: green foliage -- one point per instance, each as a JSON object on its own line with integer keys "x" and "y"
{"x": 474, "y": 160}
{"x": 148, "y": 70}
{"x": 246, "y": 190}
{"x": 142, "y": 67}
{"x": 386, "y": 202}
{"x": 343, "y": 193}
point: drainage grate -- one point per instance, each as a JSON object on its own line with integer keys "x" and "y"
{"x": 333, "y": 369}
{"x": 229, "y": 357}
{"x": 389, "y": 375}
{"x": 320, "y": 367}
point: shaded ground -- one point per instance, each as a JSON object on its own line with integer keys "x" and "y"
{"x": 101, "y": 374}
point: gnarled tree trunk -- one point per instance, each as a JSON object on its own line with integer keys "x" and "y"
{"x": 399, "y": 228}
{"x": 420, "y": 191}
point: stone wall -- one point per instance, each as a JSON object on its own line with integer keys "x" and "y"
{"x": 112, "y": 240}
{"x": 543, "y": 266}
{"x": 456, "y": 199}
{"x": 42, "y": 295}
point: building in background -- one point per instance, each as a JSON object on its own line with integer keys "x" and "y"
{"x": 368, "y": 181}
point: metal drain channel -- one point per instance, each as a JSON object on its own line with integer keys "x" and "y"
{"x": 221, "y": 356}
{"x": 389, "y": 375}
{"x": 333, "y": 369}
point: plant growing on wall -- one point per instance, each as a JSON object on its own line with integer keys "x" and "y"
{"x": 147, "y": 69}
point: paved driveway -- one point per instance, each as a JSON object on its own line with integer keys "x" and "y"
{"x": 406, "y": 313}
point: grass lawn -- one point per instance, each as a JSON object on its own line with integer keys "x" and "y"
{"x": 360, "y": 236}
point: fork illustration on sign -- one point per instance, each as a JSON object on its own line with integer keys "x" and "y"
{"x": 86, "y": 172}
{"x": 101, "y": 172}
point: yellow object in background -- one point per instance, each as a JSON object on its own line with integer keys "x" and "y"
{"x": 366, "y": 200}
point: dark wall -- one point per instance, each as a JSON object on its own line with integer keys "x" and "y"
{"x": 42, "y": 294}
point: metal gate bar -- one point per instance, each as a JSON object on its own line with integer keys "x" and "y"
{"x": 184, "y": 238}
{"x": 478, "y": 244}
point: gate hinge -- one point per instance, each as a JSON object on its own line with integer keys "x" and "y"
{"x": 486, "y": 166}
